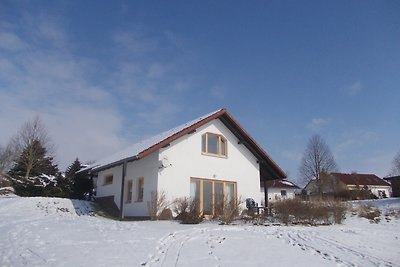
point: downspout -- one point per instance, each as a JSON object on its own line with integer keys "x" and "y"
{"x": 265, "y": 193}
{"x": 121, "y": 203}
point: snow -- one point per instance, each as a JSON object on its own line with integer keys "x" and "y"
{"x": 286, "y": 183}
{"x": 62, "y": 232}
{"x": 135, "y": 149}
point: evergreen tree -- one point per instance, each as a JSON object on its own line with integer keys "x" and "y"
{"x": 73, "y": 168}
{"x": 35, "y": 178}
{"x": 81, "y": 183}
{"x": 42, "y": 164}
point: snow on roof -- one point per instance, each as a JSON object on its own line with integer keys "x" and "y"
{"x": 279, "y": 184}
{"x": 135, "y": 149}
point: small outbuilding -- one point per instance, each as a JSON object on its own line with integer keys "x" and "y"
{"x": 278, "y": 189}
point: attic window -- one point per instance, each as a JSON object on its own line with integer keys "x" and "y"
{"x": 213, "y": 144}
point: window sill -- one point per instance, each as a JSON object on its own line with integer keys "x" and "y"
{"x": 214, "y": 155}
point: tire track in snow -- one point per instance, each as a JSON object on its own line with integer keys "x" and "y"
{"x": 170, "y": 246}
{"x": 332, "y": 250}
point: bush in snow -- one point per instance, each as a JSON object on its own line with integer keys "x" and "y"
{"x": 227, "y": 211}
{"x": 370, "y": 212}
{"x": 165, "y": 215}
{"x": 294, "y": 211}
{"x": 187, "y": 210}
{"x": 157, "y": 204}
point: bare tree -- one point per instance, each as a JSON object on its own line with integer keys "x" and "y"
{"x": 32, "y": 131}
{"x": 396, "y": 165}
{"x": 317, "y": 159}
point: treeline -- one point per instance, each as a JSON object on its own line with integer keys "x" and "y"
{"x": 27, "y": 164}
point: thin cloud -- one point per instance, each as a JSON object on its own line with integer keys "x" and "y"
{"x": 317, "y": 124}
{"x": 354, "y": 89}
{"x": 87, "y": 115}
{"x": 11, "y": 42}
{"x": 355, "y": 138}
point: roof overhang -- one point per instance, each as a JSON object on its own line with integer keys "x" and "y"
{"x": 269, "y": 170}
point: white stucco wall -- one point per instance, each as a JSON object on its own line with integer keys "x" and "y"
{"x": 186, "y": 159}
{"x": 375, "y": 190}
{"x": 113, "y": 189}
{"x": 146, "y": 168}
{"x": 274, "y": 194}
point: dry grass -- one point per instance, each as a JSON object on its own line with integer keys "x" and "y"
{"x": 370, "y": 212}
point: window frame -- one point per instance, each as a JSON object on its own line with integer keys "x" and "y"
{"x": 129, "y": 191}
{"x": 108, "y": 179}
{"x": 221, "y": 139}
{"x": 140, "y": 189}
{"x": 213, "y": 201}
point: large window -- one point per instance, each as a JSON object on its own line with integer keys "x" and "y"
{"x": 140, "y": 188}
{"x": 214, "y": 144}
{"x": 211, "y": 193}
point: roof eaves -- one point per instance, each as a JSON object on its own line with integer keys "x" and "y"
{"x": 113, "y": 164}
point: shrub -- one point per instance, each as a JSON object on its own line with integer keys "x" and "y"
{"x": 187, "y": 210}
{"x": 253, "y": 217}
{"x": 157, "y": 203}
{"x": 165, "y": 215}
{"x": 369, "y": 212}
{"x": 295, "y": 211}
{"x": 339, "y": 210}
{"x": 227, "y": 211}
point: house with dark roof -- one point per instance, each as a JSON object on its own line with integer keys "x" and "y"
{"x": 336, "y": 183}
{"x": 278, "y": 189}
{"x": 206, "y": 159}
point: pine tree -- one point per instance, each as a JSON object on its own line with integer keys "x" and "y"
{"x": 41, "y": 164}
{"x": 81, "y": 184}
{"x": 73, "y": 168}
{"x": 32, "y": 173}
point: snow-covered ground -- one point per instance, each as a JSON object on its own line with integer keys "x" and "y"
{"x": 61, "y": 232}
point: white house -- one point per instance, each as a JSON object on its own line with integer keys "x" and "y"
{"x": 278, "y": 189}
{"x": 211, "y": 155}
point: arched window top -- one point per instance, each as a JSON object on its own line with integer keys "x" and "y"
{"x": 214, "y": 144}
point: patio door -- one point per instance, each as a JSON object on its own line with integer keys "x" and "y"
{"x": 210, "y": 194}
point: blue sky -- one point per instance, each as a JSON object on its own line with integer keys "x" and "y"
{"x": 104, "y": 74}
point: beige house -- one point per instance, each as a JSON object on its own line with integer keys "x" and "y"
{"x": 337, "y": 183}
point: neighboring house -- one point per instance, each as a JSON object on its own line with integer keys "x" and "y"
{"x": 205, "y": 159}
{"x": 278, "y": 190}
{"x": 395, "y": 184}
{"x": 336, "y": 183}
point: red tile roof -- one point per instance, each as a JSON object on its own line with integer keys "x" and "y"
{"x": 279, "y": 184}
{"x": 360, "y": 179}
